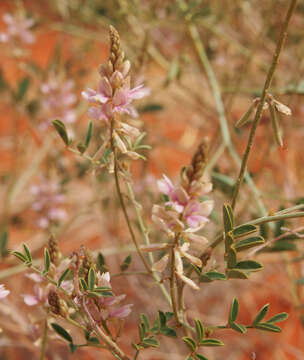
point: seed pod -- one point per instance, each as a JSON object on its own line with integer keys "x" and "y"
{"x": 246, "y": 117}
{"x": 275, "y": 124}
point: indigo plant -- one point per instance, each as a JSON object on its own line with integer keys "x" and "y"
{"x": 176, "y": 236}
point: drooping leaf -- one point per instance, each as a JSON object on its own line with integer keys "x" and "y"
{"x": 199, "y": 329}
{"x": 89, "y": 134}
{"x": 190, "y": 343}
{"x": 268, "y": 327}
{"x": 211, "y": 342}
{"x": 91, "y": 279}
{"x": 162, "y": 319}
{"x": 61, "y": 130}
{"x": 238, "y": 327}
{"x": 248, "y": 243}
{"x": 200, "y": 357}
{"x": 167, "y": 331}
{"x": 244, "y": 230}
{"x": 142, "y": 331}
{"x": 145, "y": 321}
{"x": 62, "y": 332}
{"x": 151, "y": 341}
{"x": 237, "y": 274}
{"x": 47, "y": 261}
{"x": 234, "y": 310}
{"x": 278, "y": 318}
{"x": 126, "y": 263}
{"x": 260, "y": 315}
{"x": 27, "y": 253}
{"x": 83, "y": 284}
{"x": 63, "y": 276}
{"x": 249, "y": 265}
{"x": 19, "y": 255}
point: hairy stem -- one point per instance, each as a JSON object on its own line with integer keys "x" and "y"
{"x": 259, "y": 110}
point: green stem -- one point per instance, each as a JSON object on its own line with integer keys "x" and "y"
{"x": 259, "y": 110}
{"x": 173, "y": 286}
{"x": 122, "y": 203}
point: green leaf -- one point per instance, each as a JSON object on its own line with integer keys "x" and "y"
{"x": 199, "y": 357}
{"x": 231, "y": 258}
{"x": 81, "y": 147}
{"x": 167, "y": 331}
{"x": 238, "y": 327}
{"x": 199, "y": 329}
{"x": 61, "y": 130}
{"x": 151, "y": 342}
{"x": 278, "y": 318}
{"x": 63, "y": 276}
{"x": 260, "y": 315}
{"x": 169, "y": 315}
{"x": 211, "y": 342}
{"x": 73, "y": 347}
{"x": 244, "y": 230}
{"x": 228, "y": 217}
{"x": 145, "y": 321}
{"x": 94, "y": 340}
{"x": 151, "y": 108}
{"x": 83, "y": 284}
{"x": 126, "y": 263}
{"x": 248, "y": 243}
{"x": 236, "y": 274}
{"x": 89, "y": 134}
{"x": 215, "y": 275}
{"x": 47, "y": 261}
{"x": 19, "y": 256}
{"x": 3, "y": 243}
{"x": 142, "y": 331}
{"x": 234, "y": 310}
{"x": 162, "y": 319}
{"x": 268, "y": 327}
{"x": 62, "y": 332}
{"x": 22, "y": 88}
{"x": 27, "y": 253}
{"x": 249, "y": 265}
{"x": 99, "y": 293}
{"x": 91, "y": 279}
{"x": 190, "y": 343}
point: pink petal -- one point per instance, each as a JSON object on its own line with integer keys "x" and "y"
{"x": 121, "y": 312}
{"x": 139, "y": 92}
{"x": 105, "y": 88}
{"x": 165, "y": 185}
{"x": 30, "y": 300}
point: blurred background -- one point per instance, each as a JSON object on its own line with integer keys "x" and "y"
{"x": 50, "y": 52}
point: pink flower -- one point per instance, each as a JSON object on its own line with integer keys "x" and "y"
{"x": 17, "y": 29}
{"x": 110, "y": 100}
{"x": 3, "y": 292}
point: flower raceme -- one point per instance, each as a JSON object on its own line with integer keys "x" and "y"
{"x": 113, "y": 98}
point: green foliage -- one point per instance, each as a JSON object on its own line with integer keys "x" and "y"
{"x": 47, "y": 261}
{"x": 126, "y": 263}
{"x": 27, "y": 254}
{"x": 3, "y": 243}
{"x": 62, "y": 332}
{"x": 91, "y": 279}
{"x": 211, "y": 342}
{"x": 63, "y": 276}
{"x": 61, "y": 130}
{"x": 22, "y": 88}
{"x": 191, "y": 344}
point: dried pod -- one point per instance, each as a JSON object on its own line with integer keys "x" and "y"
{"x": 275, "y": 124}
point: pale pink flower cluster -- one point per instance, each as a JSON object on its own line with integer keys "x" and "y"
{"x": 114, "y": 96}
{"x": 18, "y": 29}
{"x": 107, "y": 308}
{"x": 181, "y": 216}
{"x": 3, "y": 292}
{"x": 58, "y": 101}
{"x": 48, "y": 202}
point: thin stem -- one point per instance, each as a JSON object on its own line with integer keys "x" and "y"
{"x": 259, "y": 110}
{"x": 145, "y": 235}
{"x": 112, "y": 346}
{"x": 130, "y": 273}
{"x": 173, "y": 286}
{"x": 122, "y": 203}
{"x": 44, "y": 340}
